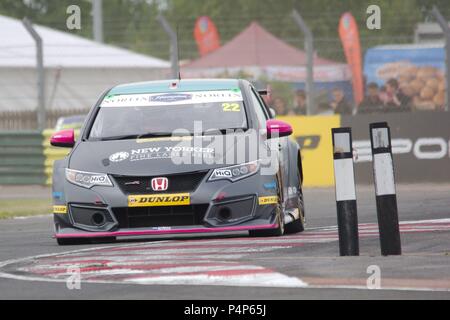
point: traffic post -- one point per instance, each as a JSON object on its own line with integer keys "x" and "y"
{"x": 386, "y": 198}
{"x": 344, "y": 177}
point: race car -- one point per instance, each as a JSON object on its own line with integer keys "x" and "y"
{"x": 176, "y": 157}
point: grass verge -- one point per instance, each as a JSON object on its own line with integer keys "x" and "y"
{"x": 10, "y": 208}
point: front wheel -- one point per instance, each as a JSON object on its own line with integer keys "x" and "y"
{"x": 295, "y": 226}
{"x": 299, "y": 224}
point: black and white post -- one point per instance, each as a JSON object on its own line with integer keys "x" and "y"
{"x": 386, "y": 198}
{"x": 344, "y": 177}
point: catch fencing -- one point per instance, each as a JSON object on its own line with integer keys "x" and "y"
{"x": 18, "y": 120}
{"x": 21, "y": 158}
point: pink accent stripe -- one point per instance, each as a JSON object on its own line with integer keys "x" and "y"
{"x": 156, "y": 232}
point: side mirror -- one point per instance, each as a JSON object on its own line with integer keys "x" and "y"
{"x": 63, "y": 138}
{"x": 278, "y": 128}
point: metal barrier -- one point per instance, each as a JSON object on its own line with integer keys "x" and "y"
{"x": 21, "y": 158}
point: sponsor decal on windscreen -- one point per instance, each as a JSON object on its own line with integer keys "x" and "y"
{"x": 158, "y": 99}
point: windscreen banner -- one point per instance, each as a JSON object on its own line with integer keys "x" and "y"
{"x": 176, "y": 98}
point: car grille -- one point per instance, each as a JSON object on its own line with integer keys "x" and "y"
{"x": 186, "y": 182}
{"x": 160, "y": 216}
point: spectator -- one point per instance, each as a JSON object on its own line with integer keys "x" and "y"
{"x": 339, "y": 104}
{"x": 280, "y": 106}
{"x": 299, "y": 103}
{"x": 371, "y": 102}
{"x": 382, "y": 94}
{"x": 396, "y": 100}
{"x": 323, "y": 109}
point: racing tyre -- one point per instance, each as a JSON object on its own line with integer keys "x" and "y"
{"x": 299, "y": 224}
{"x": 279, "y": 231}
{"x": 295, "y": 226}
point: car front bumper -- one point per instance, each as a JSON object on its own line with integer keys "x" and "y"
{"x": 245, "y": 211}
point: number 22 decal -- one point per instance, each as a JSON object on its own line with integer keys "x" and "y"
{"x": 235, "y": 107}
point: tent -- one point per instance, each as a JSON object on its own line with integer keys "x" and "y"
{"x": 257, "y": 52}
{"x": 77, "y": 70}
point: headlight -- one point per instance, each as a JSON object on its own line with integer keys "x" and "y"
{"x": 87, "y": 179}
{"x": 236, "y": 172}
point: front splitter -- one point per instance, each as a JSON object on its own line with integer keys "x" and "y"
{"x": 73, "y": 233}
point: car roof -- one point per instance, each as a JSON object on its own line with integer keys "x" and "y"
{"x": 181, "y": 85}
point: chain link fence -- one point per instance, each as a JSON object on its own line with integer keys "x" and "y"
{"x": 403, "y": 63}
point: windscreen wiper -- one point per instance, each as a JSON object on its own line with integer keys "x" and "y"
{"x": 165, "y": 134}
{"x": 159, "y": 134}
{"x": 121, "y": 137}
{"x": 137, "y": 136}
{"x": 223, "y": 131}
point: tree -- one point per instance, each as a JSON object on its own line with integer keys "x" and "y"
{"x": 132, "y": 23}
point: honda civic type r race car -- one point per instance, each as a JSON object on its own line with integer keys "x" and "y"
{"x": 179, "y": 156}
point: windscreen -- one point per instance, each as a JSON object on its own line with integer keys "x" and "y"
{"x": 163, "y": 113}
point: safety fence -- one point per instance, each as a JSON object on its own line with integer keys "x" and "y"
{"x": 420, "y": 145}
{"x": 18, "y": 120}
{"x": 26, "y": 157}
{"x": 21, "y": 158}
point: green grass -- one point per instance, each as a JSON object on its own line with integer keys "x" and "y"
{"x": 10, "y": 208}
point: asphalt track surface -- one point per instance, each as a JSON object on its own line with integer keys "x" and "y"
{"x": 301, "y": 266}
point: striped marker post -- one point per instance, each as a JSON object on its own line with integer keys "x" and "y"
{"x": 386, "y": 198}
{"x": 345, "y": 192}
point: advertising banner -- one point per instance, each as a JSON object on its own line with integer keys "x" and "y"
{"x": 313, "y": 134}
{"x": 419, "y": 70}
{"x": 206, "y": 35}
{"x": 420, "y": 146}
